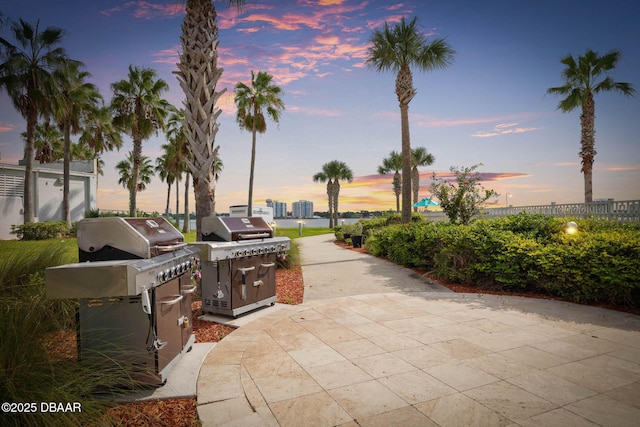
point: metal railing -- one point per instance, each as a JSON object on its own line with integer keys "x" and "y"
{"x": 623, "y": 211}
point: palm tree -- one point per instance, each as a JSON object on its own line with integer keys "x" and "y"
{"x": 26, "y": 73}
{"x": 139, "y": 111}
{"x": 164, "y": 170}
{"x": 393, "y": 163}
{"x": 99, "y": 133}
{"x": 179, "y": 155}
{"x": 125, "y": 169}
{"x": 73, "y": 99}
{"x": 198, "y": 74}
{"x": 48, "y": 143}
{"x": 250, "y": 101}
{"x": 585, "y": 77}
{"x": 332, "y": 173}
{"x": 419, "y": 157}
{"x": 398, "y": 49}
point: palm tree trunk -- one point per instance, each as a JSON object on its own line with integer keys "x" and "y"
{"x": 253, "y": 159}
{"x": 397, "y": 189}
{"x": 415, "y": 184}
{"x": 66, "y": 176}
{"x": 587, "y": 141}
{"x": 336, "y": 195}
{"x": 198, "y": 75}
{"x": 166, "y": 209}
{"x": 135, "y": 176}
{"x": 405, "y": 93}
{"x": 32, "y": 120}
{"x": 186, "y": 225}
{"x": 177, "y": 197}
{"x": 406, "y": 164}
{"x": 330, "y": 198}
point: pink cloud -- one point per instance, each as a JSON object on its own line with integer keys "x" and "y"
{"x": 147, "y": 10}
{"x": 314, "y": 111}
{"x": 7, "y": 127}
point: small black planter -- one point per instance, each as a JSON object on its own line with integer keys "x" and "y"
{"x": 356, "y": 241}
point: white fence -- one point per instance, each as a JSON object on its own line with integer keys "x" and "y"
{"x": 623, "y": 211}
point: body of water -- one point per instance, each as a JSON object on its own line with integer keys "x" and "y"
{"x": 293, "y": 222}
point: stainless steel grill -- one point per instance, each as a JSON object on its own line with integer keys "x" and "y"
{"x": 238, "y": 264}
{"x": 135, "y": 287}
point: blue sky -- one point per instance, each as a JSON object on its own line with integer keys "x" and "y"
{"x": 489, "y": 107}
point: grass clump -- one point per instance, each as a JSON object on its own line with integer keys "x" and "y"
{"x": 32, "y": 325}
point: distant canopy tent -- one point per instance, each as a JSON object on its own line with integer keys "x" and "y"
{"x": 425, "y": 202}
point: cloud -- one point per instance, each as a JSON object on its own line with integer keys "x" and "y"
{"x": 147, "y": 10}
{"x": 622, "y": 168}
{"x": 7, "y": 127}
{"x": 314, "y": 111}
{"x": 504, "y": 129}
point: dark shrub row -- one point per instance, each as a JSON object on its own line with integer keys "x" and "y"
{"x": 523, "y": 253}
{"x": 40, "y": 230}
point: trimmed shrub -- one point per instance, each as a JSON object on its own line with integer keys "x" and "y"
{"x": 40, "y": 230}
{"x": 523, "y": 253}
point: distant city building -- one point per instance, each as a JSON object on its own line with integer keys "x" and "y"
{"x": 279, "y": 208}
{"x": 302, "y": 209}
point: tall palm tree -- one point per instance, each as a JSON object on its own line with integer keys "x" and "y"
{"x": 139, "y": 111}
{"x": 73, "y": 99}
{"x": 125, "y": 170}
{"x": 332, "y": 173}
{"x": 251, "y": 100}
{"x": 26, "y": 73}
{"x": 393, "y": 163}
{"x": 419, "y": 157}
{"x": 398, "y": 49}
{"x": 198, "y": 74}
{"x": 585, "y": 77}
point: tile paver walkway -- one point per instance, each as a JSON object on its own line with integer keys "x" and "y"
{"x": 426, "y": 359}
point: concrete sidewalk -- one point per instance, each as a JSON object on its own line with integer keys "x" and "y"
{"x": 330, "y": 271}
{"x": 420, "y": 358}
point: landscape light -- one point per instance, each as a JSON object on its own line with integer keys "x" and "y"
{"x": 571, "y": 227}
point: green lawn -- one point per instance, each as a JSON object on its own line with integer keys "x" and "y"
{"x": 68, "y": 245}
{"x": 291, "y": 233}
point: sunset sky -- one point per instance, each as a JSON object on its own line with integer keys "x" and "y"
{"x": 490, "y": 106}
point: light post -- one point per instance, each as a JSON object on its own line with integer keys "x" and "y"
{"x": 300, "y": 228}
{"x": 506, "y": 200}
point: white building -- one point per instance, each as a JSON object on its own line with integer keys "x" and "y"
{"x": 46, "y": 192}
{"x": 279, "y": 208}
{"x": 302, "y": 209}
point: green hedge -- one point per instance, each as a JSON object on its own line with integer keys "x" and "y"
{"x": 40, "y": 230}
{"x": 524, "y": 253}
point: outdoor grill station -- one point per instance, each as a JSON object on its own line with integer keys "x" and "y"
{"x": 136, "y": 277}
{"x": 239, "y": 264}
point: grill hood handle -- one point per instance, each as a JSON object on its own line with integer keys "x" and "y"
{"x": 253, "y": 236}
{"x": 169, "y": 248}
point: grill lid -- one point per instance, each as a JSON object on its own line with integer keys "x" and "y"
{"x": 233, "y": 228}
{"x": 134, "y": 237}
